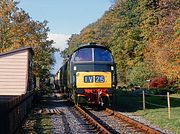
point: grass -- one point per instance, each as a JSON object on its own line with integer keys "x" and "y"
{"x": 37, "y": 124}
{"x": 40, "y": 124}
{"x": 159, "y": 117}
{"x": 124, "y": 101}
{"x": 45, "y": 124}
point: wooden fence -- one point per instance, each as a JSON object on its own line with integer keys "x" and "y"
{"x": 146, "y": 102}
{"x": 13, "y": 110}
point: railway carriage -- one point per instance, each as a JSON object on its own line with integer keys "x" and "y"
{"x": 89, "y": 73}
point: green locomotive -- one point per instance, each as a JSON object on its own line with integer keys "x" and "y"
{"x": 89, "y": 74}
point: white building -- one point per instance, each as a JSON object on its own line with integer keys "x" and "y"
{"x": 16, "y": 71}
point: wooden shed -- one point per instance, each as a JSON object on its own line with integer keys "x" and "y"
{"x": 16, "y": 71}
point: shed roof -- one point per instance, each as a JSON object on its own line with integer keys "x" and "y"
{"x": 16, "y": 50}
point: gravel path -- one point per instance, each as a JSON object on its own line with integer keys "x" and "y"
{"x": 53, "y": 115}
{"x": 68, "y": 121}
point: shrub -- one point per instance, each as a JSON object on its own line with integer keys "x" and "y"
{"x": 158, "y": 82}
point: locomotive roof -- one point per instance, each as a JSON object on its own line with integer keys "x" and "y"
{"x": 91, "y": 45}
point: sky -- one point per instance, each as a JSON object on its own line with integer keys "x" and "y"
{"x": 65, "y": 17}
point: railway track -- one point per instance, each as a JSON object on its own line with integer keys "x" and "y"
{"x": 96, "y": 125}
{"x": 63, "y": 118}
{"x": 66, "y": 118}
{"x": 108, "y": 121}
{"x": 132, "y": 123}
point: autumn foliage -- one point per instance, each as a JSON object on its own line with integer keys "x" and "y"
{"x": 143, "y": 36}
{"x": 18, "y": 29}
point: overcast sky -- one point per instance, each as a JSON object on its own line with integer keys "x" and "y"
{"x": 65, "y": 17}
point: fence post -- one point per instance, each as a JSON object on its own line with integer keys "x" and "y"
{"x": 168, "y": 101}
{"x": 144, "y": 107}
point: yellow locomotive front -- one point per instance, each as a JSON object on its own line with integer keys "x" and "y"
{"x": 93, "y": 73}
{"x": 93, "y": 80}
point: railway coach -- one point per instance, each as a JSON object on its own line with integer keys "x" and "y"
{"x": 89, "y": 73}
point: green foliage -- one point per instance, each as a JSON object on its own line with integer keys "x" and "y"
{"x": 129, "y": 39}
{"x": 99, "y": 32}
{"x": 136, "y": 31}
{"x": 138, "y": 75}
{"x": 17, "y": 29}
{"x": 162, "y": 48}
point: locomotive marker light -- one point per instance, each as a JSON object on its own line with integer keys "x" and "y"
{"x": 75, "y": 68}
{"x": 112, "y": 68}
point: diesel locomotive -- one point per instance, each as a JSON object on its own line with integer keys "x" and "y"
{"x": 89, "y": 74}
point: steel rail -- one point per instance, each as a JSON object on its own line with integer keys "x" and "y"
{"x": 134, "y": 123}
{"x": 92, "y": 121}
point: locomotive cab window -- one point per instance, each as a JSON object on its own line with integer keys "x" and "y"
{"x": 102, "y": 55}
{"x": 84, "y": 54}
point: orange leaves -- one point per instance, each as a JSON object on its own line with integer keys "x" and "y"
{"x": 162, "y": 52}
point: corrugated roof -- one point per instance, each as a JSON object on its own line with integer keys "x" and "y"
{"x": 17, "y": 50}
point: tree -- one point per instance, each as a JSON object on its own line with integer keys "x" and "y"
{"x": 143, "y": 36}
{"x": 163, "y": 46}
{"x": 17, "y": 29}
{"x": 7, "y": 11}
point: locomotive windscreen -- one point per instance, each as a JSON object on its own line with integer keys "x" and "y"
{"x": 84, "y": 54}
{"x": 102, "y": 55}
{"x": 93, "y": 54}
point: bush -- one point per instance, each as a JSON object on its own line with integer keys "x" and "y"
{"x": 158, "y": 82}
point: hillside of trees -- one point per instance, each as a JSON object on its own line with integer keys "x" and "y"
{"x": 143, "y": 36}
{"x": 18, "y": 29}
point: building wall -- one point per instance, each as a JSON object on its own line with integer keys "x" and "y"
{"x": 13, "y": 73}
